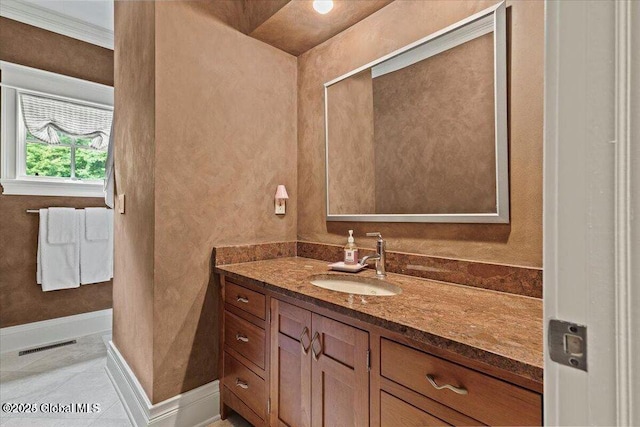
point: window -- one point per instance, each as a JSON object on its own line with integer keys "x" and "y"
{"x": 62, "y": 139}
{"x": 73, "y": 158}
{"x": 55, "y": 133}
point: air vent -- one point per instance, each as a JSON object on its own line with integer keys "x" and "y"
{"x": 46, "y": 347}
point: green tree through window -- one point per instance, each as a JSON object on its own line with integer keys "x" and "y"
{"x": 48, "y": 160}
{"x": 58, "y": 160}
{"x": 90, "y": 164}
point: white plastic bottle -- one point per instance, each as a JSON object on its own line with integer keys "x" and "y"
{"x": 350, "y": 251}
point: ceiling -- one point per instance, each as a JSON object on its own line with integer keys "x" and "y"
{"x": 292, "y": 25}
{"x": 297, "y": 27}
{"x": 243, "y": 15}
{"x": 95, "y": 12}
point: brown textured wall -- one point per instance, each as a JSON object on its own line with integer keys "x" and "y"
{"x": 135, "y": 166}
{"x": 225, "y": 138}
{"x": 351, "y": 145}
{"x": 21, "y": 299}
{"x": 396, "y": 25}
{"x": 34, "y": 47}
{"x": 434, "y": 134}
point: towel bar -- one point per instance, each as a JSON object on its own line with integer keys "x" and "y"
{"x": 38, "y": 210}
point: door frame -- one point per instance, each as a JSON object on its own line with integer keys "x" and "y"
{"x": 591, "y": 240}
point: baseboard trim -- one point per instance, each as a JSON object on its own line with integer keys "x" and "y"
{"x": 36, "y": 334}
{"x": 196, "y": 408}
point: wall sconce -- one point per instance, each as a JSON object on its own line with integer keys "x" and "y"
{"x": 281, "y": 197}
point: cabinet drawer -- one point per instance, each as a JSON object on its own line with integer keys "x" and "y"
{"x": 245, "y": 299}
{"x": 249, "y": 387}
{"x": 395, "y": 412}
{"x": 488, "y": 400}
{"x": 245, "y": 338}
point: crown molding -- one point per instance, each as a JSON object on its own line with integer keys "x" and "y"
{"x": 32, "y": 14}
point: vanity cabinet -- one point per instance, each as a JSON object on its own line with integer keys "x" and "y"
{"x": 397, "y": 412}
{"x": 245, "y": 359}
{"x": 290, "y": 363}
{"x": 479, "y": 397}
{"x": 319, "y": 369}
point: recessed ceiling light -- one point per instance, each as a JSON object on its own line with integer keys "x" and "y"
{"x": 323, "y": 6}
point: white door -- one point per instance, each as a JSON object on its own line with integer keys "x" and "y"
{"x": 591, "y": 237}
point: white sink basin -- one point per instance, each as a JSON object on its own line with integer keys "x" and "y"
{"x": 355, "y": 285}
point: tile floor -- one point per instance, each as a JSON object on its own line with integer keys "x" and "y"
{"x": 70, "y": 374}
{"x": 234, "y": 420}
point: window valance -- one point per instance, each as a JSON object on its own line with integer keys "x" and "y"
{"x": 43, "y": 117}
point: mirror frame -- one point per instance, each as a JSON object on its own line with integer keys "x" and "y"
{"x": 492, "y": 19}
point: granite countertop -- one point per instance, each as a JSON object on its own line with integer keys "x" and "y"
{"x": 499, "y": 329}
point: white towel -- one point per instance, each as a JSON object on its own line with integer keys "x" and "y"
{"x": 97, "y": 221}
{"x": 62, "y": 226}
{"x": 96, "y": 256}
{"x": 58, "y": 264}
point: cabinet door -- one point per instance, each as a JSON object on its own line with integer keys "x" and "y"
{"x": 340, "y": 374}
{"x": 290, "y": 365}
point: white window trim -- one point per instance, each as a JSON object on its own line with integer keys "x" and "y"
{"x": 17, "y": 79}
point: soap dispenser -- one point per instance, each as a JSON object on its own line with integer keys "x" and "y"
{"x": 350, "y": 251}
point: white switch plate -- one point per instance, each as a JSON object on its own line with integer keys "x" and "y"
{"x": 121, "y": 203}
{"x": 281, "y": 208}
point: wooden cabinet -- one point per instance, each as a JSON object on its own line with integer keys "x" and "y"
{"x": 244, "y": 376}
{"x": 396, "y": 412}
{"x": 246, "y": 385}
{"x": 319, "y": 370}
{"x": 339, "y": 374}
{"x": 245, "y": 338}
{"x": 289, "y": 363}
{"x": 400, "y": 403}
{"x": 481, "y": 397}
{"x": 245, "y": 299}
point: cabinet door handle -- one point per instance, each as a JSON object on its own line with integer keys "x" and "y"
{"x": 243, "y": 299}
{"x": 459, "y": 390}
{"x": 316, "y": 356}
{"x": 242, "y": 338}
{"x": 305, "y": 350}
{"x": 241, "y": 384}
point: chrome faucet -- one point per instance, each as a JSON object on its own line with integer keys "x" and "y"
{"x": 380, "y": 256}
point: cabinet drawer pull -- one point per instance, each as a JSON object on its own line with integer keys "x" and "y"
{"x": 459, "y": 390}
{"x": 242, "y": 338}
{"x": 316, "y": 356}
{"x": 243, "y": 299}
{"x": 241, "y": 384}
{"x": 305, "y": 332}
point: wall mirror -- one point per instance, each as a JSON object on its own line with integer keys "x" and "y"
{"x": 420, "y": 135}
